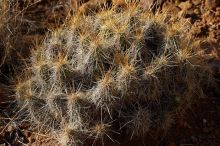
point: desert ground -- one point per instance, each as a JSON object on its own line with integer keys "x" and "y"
{"x": 26, "y": 24}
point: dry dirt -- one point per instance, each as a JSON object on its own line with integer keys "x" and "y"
{"x": 200, "y": 125}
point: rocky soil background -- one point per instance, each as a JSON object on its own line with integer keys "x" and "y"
{"x": 201, "y": 123}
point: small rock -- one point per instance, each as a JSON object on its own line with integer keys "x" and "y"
{"x": 185, "y": 5}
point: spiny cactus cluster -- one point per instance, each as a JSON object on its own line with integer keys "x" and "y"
{"x": 121, "y": 70}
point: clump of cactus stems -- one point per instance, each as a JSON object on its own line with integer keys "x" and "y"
{"x": 120, "y": 70}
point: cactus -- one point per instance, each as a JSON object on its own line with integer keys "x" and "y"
{"x": 121, "y": 69}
